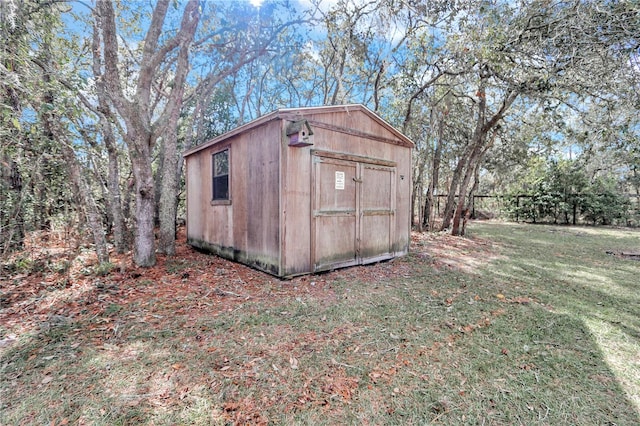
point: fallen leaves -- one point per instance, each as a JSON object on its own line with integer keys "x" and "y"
{"x": 340, "y": 385}
{"x": 445, "y": 251}
{"x": 385, "y": 375}
{"x": 180, "y": 297}
{"x": 528, "y": 367}
{"x": 293, "y": 362}
{"x": 519, "y": 300}
{"x": 244, "y": 412}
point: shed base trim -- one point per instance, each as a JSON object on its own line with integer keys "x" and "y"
{"x": 255, "y": 261}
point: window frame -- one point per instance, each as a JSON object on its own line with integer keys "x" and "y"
{"x": 227, "y": 200}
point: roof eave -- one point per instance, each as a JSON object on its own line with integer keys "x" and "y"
{"x": 286, "y": 113}
{"x": 240, "y": 129}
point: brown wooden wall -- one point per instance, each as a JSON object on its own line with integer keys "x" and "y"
{"x": 248, "y": 228}
{"x": 298, "y": 247}
{"x": 285, "y": 215}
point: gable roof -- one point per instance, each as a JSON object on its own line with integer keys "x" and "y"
{"x": 297, "y": 113}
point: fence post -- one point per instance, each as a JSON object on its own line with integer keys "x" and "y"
{"x": 473, "y": 206}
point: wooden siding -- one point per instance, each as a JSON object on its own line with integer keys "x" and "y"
{"x": 286, "y": 215}
{"x": 296, "y": 212}
{"x": 318, "y": 240}
{"x": 246, "y": 229}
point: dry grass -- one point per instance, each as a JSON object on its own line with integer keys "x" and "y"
{"x": 514, "y": 325}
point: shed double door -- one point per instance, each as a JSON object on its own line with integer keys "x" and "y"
{"x": 353, "y": 212}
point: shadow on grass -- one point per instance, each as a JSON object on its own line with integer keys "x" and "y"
{"x": 535, "y": 366}
{"x": 570, "y": 273}
{"x": 68, "y": 374}
{"x": 524, "y": 340}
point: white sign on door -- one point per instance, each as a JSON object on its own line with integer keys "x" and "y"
{"x": 339, "y": 180}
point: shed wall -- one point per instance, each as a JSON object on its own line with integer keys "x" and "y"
{"x": 296, "y": 209}
{"x": 298, "y": 172}
{"x": 270, "y": 222}
{"x": 245, "y": 229}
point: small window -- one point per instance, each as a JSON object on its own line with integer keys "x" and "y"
{"x": 221, "y": 175}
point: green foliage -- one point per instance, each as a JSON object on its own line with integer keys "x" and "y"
{"x": 23, "y": 265}
{"x": 34, "y": 108}
{"x": 560, "y": 191}
{"x": 113, "y": 309}
{"x": 103, "y": 269}
{"x": 603, "y": 203}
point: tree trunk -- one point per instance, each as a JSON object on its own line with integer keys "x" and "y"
{"x": 478, "y": 147}
{"x": 114, "y": 198}
{"x": 157, "y": 178}
{"x": 126, "y": 209}
{"x": 144, "y": 240}
{"x": 169, "y": 196}
{"x": 42, "y": 221}
{"x": 449, "y": 207}
{"x": 418, "y": 185}
{"x": 114, "y": 202}
{"x": 172, "y": 162}
{"x": 471, "y": 198}
{"x": 93, "y": 216}
{"x": 456, "y": 229}
{"x": 338, "y": 79}
{"x": 11, "y": 208}
{"x": 429, "y": 214}
{"x": 142, "y": 130}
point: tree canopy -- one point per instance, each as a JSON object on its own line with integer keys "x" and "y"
{"x": 99, "y": 99}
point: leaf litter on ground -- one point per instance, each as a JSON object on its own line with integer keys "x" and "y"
{"x": 434, "y": 336}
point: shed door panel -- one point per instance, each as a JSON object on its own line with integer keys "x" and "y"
{"x": 334, "y": 213}
{"x": 377, "y": 199}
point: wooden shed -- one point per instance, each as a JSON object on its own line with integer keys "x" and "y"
{"x": 302, "y": 190}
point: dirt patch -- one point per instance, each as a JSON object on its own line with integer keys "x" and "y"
{"x": 624, "y": 255}
{"x": 447, "y": 251}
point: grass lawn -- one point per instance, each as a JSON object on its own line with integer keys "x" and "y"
{"x": 514, "y": 324}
